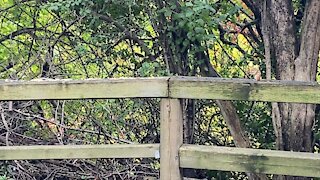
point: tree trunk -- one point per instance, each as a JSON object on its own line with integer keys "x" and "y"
{"x": 295, "y": 54}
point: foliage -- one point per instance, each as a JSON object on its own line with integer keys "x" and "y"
{"x": 81, "y": 39}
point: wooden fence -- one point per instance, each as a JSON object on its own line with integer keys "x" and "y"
{"x": 173, "y": 153}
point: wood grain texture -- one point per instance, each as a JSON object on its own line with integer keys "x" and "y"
{"x": 250, "y": 160}
{"x": 178, "y": 87}
{"x": 84, "y": 89}
{"x": 78, "y": 151}
{"x": 243, "y": 89}
{"x": 171, "y": 137}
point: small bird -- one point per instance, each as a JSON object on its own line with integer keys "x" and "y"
{"x": 255, "y": 71}
{"x": 257, "y": 76}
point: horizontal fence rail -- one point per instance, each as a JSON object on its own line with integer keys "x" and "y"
{"x": 84, "y": 89}
{"x": 161, "y": 87}
{"x": 79, "y": 151}
{"x": 243, "y": 89}
{"x": 250, "y": 160}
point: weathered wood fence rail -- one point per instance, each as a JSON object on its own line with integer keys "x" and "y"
{"x": 173, "y": 153}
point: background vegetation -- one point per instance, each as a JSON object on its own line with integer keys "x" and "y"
{"x": 79, "y": 39}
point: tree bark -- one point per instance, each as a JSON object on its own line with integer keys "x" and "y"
{"x": 295, "y": 55}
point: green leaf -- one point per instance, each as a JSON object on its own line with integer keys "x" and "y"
{"x": 189, "y": 4}
{"x": 210, "y": 8}
{"x": 168, "y": 13}
{"x": 181, "y": 23}
{"x": 186, "y": 43}
{"x": 190, "y": 35}
{"x": 189, "y": 13}
{"x": 200, "y": 22}
{"x": 199, "y": 30}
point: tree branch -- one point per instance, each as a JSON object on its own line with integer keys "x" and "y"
{"x": 128, "y": 33}
{"x": 223, "y": 39}
{"x": 18, "y": 33}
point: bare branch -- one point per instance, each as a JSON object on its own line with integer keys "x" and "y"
{"x": 128, "y": 33}
{"x": 18, "y": 33}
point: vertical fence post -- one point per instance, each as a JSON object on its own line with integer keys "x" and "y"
{"x": 171, "y": 137}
